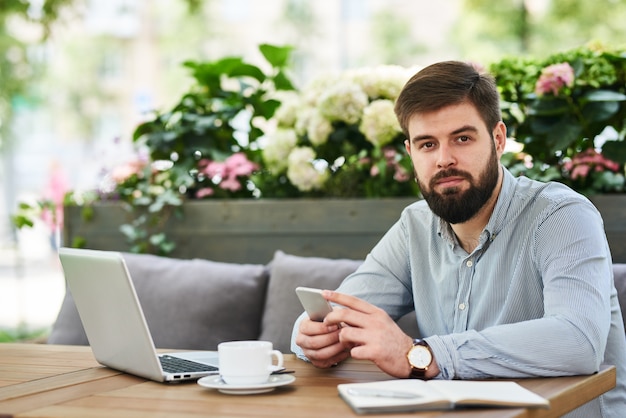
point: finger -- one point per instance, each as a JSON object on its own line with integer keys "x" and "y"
{"x": 328, "y": 356}
{"x": 349, "y": 301}
{"x": 311, "y": 328}
{"x": 352, "y": 336}
{"x": 318, "y": 341}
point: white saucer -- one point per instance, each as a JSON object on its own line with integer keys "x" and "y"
{"x": 216, "y": 382}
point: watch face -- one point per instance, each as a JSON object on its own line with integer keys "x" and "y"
{"x": 420, "y": 357}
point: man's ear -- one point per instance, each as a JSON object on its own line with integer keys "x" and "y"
{"x": 499, "y": 137}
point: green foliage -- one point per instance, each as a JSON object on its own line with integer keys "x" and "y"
{"x": 217, "y": 118}
{"x": 26, "y": 213}
{"x": 22, "y": 333}
{"x": 16, "y": 70}
{"x": 488, "y": 29}
{"x": 582, "y": 123}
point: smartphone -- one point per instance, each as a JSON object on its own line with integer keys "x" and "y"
{"x": 314, "y": 303}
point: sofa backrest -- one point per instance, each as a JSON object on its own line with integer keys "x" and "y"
{"x": 619, "y": 277}
{"x": 188, "y": 304}
{"x": 196, "y": 304}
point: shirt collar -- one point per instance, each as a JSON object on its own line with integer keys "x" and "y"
{"x": 496, "y": 221}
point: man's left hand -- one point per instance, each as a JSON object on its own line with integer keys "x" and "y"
{"x": 370, "y": 333}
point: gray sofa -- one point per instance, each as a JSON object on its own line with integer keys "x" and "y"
{"x": 195, "y": 304}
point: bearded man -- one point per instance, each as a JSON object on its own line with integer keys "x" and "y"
{"x": 508, "y": 277}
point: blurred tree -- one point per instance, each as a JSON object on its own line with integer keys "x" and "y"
{"x": 299, "y": 20}
{"x": 570, "y": 23}
{"x": 489, "y": 29}
{"x": 394, "y": 43}
{"x": 16, "y": 70}
{"x": 23, "y": 25}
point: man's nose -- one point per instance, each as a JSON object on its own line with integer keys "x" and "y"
{"x": 445, "y": 157}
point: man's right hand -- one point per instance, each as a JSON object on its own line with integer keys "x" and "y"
{"x": 320, "y": 343}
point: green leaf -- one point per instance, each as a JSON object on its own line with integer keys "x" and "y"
{"x": 596, "y": 111}
{"x": 563, "y": 134}
{"x": 24, "y": 206}
{"x": 157, "y": 239}
{"x": 167, "y": 247}
{"x": 549, "y": 106}
{"x": 604, "y": 96}
{"x": 224, "y": 66}
{"x": 615, "y": 150}
{"x": 79, "y": 242}
{"x": 129, "y": 231}
{"x": 267, "y": 108}
{"x": 87, "y": 213}
{"x": 248, "y": 70}
{"x": 282, "y": 82}
{"x": 276, "y": 55}
{"x": 21, "y": 221}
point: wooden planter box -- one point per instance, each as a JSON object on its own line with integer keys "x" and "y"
{"x": 249, "y": 231}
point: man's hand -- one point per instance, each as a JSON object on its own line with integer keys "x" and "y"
{"x": 369, "y": 334}
{"x": 320, "y": 343}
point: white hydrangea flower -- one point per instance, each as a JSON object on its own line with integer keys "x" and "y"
{"x": 303, "y": 119}
{"x": 316, "y": 87}
{"x": 319, "y": 129}
{"x": 379, "y": 123}
{"x": 302, "y": 171}
{"x": 277, "y": 149}
{"x": 343, "y": 101}
{"x": 382, "y": 82}
{"x": 287, "y": 113}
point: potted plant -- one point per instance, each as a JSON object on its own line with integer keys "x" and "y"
{"x": 208, "y": 179}
{"x": 569, "y": 112}
{"x": 206, "y": 145}
{"x": 255, "y": 165}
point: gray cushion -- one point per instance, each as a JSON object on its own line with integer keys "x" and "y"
{"x": 282, "y": 306}
{"x": 619, "y": 277}
{"x": 188, "y": 304}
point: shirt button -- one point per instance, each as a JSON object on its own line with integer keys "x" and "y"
{"x": 469, "y": 263}
{"x": 462, "y": 306}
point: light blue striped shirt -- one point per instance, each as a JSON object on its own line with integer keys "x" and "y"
{"x": 535, "y": 298}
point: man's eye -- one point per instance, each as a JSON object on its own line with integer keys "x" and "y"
{"x": 463, "y": 138}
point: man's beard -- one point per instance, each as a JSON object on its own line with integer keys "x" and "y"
{"x": 454, "y": 206}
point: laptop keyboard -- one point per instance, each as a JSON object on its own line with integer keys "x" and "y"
{"x": 178, "y": 365}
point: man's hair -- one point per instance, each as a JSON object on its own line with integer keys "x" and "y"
{"x": 449, "y": 83}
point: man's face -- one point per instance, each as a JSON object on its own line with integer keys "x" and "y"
{"x": 456, "y": 160}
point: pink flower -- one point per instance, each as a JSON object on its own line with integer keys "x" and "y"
{"x": 239, "y": 165}
{"x": 582, "y": 163}
{"x": 389, "y": 153}
{"x": 401, "y": 174}
{"x": 580, "y": 171}
{"x": 215, "y": 169}
{"x": 204, "y": 192}
{"x": 553, "y": 78}
{"x": 231, "y": 183}
{"x": 122, "y": 172}
{"x": 226, "y": 174}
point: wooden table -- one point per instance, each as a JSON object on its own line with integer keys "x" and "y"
{"x": 62, "y": 381}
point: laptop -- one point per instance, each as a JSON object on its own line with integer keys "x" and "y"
{"x": 114, "y": 322}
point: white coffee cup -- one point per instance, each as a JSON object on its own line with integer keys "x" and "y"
{"x": 248, "y": 362}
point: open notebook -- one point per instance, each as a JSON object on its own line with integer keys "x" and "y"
{"x": 114, "y": 322}
{"x": 417, "y": 395}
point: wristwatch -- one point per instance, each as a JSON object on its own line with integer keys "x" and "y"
{"x": 420, "y": 358}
